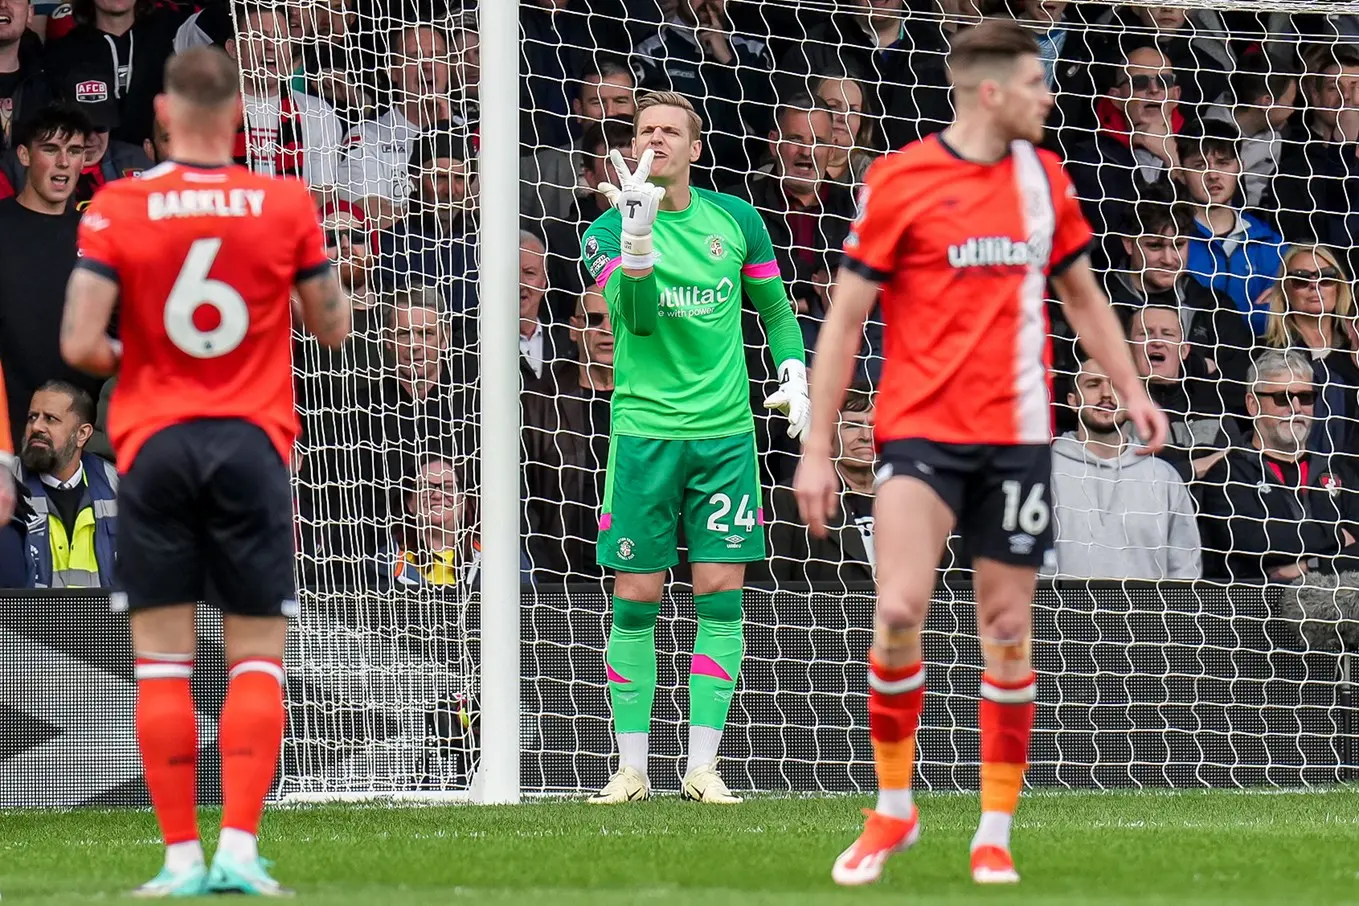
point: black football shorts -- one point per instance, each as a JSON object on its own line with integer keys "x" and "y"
{"x": 1000, "y": 494}
{"x": 205, "y": 513}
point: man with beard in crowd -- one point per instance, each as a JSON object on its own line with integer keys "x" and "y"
{"x": 73, "y": 494}
{"x": 435, "y": 245}
{"x": 1271, "y": 511}
{"x": 1119, "y": 513}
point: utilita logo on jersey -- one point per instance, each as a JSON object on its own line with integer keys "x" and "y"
{"x": 991, "y": 252}
{"x": 690, "y": 301}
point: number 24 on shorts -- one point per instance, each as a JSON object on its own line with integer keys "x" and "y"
{"x": 744, "y": 518}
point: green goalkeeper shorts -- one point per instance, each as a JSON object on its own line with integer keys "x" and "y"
{"x": 712, "y": 486}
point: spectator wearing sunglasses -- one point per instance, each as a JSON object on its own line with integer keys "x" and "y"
{"x": 349, "y": 246}
{"x": 1311, "y": 309}
{"x": 1232, "y": 250}
{"x": 1271, "y": 510}
{"x": 1193, "y": 40}
{"x": 1134, "y": 149}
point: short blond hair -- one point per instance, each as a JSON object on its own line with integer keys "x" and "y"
{"x": 669, "y": 99}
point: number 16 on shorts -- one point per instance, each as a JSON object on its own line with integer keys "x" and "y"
{"x": 710, "y": 486}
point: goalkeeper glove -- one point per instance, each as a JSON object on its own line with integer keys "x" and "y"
{"x": 791, "y": 398}
{"x": 638, "y": 201}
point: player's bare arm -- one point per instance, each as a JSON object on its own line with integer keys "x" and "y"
{"x": 816, "y": 484}
{"x": 85, "y": 343}
{"x": 325, "y": 308}
{"x": 1087, "y": 308}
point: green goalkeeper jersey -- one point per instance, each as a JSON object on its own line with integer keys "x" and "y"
{"x": 685, "y": 377}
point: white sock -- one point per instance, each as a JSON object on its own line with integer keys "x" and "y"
{"x": 238, "y": 844}
{"x": 895, "y": 803}
{"x": 994, "y": 830}
{"x": 184, "y": 855}
{"x": 703, "y": 745}
{"x": 633, "y": 749}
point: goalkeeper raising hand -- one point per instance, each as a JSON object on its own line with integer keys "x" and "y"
{"x": 673, "y": 262}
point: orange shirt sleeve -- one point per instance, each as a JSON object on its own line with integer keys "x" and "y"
{"x": 312, "y": 260}
{"x": 873, "y": 245}
{"x": 1071, "y": 234}
{"x": 95, "y": 244}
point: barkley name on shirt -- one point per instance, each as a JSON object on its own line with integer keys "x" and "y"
{"x": 205, "y": 203}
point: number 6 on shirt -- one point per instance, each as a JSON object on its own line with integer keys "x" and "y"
{"x": 194, "y": 289}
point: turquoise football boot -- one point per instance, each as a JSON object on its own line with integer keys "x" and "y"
{"x": 190, "y": 882}
{"x": 231, "y": 875}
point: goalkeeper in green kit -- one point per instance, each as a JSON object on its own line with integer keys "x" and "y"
{"x": 673, "y": 262}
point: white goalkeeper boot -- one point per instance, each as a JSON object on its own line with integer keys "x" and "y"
{"x": 626, "y": 785}
{"x": 704, "y": 784}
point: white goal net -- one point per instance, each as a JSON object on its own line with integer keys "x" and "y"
{"x": 1213, "y": 150}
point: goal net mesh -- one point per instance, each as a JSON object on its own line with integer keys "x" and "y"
{"x": 1140, "y": 683}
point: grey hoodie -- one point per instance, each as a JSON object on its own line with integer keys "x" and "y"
{"x": 1130, "y": 517}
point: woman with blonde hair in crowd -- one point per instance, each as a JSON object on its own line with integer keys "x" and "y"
{"x": 854, "y": 127}
{"x": 1311, "y": 309}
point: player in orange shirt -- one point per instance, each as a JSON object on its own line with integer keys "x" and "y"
{"x": 960, "y": 233}
{"x": 201, "y": 257}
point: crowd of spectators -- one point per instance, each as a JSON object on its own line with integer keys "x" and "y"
{"x": 1212, "y": 151}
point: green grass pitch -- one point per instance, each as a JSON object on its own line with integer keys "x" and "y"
{"x": 1072, "y": 848}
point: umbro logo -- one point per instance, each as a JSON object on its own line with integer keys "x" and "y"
{"x": 734, "y": 541}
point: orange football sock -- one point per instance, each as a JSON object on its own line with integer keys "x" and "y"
{"x": 896, "y": 696}
{"x": 1005, "y": 715}
{"x": 167, "y": 737}
{"x": 249, "y": 736}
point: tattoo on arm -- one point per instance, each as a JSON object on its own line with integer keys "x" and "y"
{"x": 334, "y": 306}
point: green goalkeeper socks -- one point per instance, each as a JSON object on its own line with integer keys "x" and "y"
{"x": 630, "y": 662}
{"x": 717, "y": 658}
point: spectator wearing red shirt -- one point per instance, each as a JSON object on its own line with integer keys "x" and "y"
{"x": 1135, "y": 146}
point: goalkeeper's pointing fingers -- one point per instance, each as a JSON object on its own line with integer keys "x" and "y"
{"x": 643, "y": 165}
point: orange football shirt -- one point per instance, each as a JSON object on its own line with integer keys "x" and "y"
{"x": 205, "y": 259}
{"x": 964, "y": 251}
